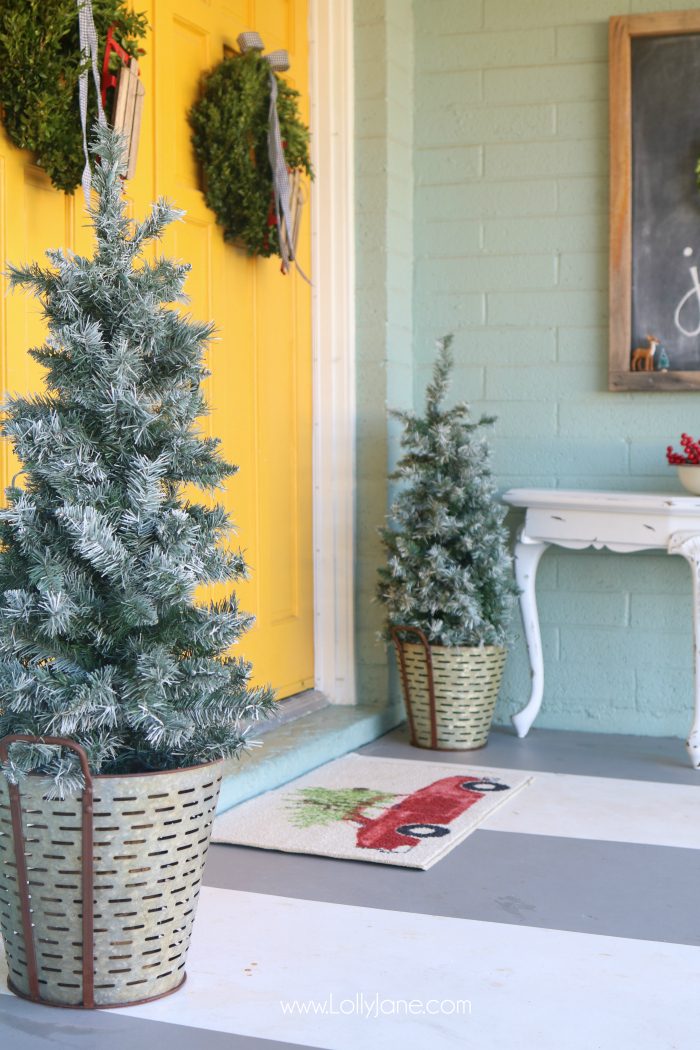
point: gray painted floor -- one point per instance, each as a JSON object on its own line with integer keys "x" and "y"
{"x": 620, "y": 889}
{"x": 663, "y": 759}
{"x": 613, "y": 888}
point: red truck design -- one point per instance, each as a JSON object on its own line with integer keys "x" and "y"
{"x": 424, "y": 814}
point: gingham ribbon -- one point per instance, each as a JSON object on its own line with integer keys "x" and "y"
{"x": 278, "y": 62}
{"x": 250, "y": 41}
{"x": 88, "y": 48}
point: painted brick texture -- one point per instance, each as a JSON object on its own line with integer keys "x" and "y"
{"x": 510, "y": 241}
{"x": 384, "y": 72}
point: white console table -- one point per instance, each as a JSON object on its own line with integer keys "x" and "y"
{"x": 620, "y": 521}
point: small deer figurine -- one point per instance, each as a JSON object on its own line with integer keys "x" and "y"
{"x": 643, "y": 356}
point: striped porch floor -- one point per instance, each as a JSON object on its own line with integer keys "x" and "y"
{"x": 569, "y": 919}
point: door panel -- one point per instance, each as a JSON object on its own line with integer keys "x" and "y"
{"x": 260, "y": 387}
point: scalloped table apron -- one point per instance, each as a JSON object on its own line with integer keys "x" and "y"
{"x": 618, "y": 521}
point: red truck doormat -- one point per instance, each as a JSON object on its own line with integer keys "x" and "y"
{"x": 387, "y": 810}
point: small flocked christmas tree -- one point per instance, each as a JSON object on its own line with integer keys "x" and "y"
{"x": 449, "y": 571}
{"x": 101, "y": 639}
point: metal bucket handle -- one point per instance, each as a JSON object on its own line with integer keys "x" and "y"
{"x": 396, "y": 630}
{"x": 88, "y": 880}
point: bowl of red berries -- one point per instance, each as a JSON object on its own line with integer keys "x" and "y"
{"x": 687, "y": 463}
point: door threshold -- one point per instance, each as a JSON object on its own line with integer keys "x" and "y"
{"x": 288, "y": 710}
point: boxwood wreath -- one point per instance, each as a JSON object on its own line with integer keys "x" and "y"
{"x": 229, "y": 134}
{"x": 40, "y": 64}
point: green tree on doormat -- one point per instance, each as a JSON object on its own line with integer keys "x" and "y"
{"x": 319, "y": 805}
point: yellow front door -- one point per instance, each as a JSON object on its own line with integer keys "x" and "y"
{"x": 260, "y": 387}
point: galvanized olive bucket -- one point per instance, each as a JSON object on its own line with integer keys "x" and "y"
{"x": 98, "y": 892}
{"x": 450, "y": 691}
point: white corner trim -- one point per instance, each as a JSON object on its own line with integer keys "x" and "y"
{"x": 333, "y": 333}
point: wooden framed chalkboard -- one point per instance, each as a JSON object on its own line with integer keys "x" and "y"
{"x": 655, "y": 201}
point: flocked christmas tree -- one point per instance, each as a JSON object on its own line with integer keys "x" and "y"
{"x": 449, "y": 571}
{"x": 101, "y": 638}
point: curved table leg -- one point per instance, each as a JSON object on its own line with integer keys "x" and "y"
{"x": 688, "y": 546}
{"x": 527, "y": 557}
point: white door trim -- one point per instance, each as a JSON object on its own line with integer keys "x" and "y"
{"x": 333, "y": 328}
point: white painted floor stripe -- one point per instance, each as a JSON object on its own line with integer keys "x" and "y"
{"x": 603, "y": 808}
{"x": 534, "y": 988}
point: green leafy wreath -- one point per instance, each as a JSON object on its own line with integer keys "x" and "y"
{"x": 40, "y": 65}
{"x": 229, "y": 134}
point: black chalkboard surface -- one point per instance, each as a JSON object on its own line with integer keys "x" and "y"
{"x": 665, "y": 248}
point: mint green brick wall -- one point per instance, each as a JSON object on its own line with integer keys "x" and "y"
{"x": 384, "y": 71}
{"x": 510, "y": 241}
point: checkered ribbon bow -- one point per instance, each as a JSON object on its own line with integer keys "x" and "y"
{"x": 88, "y": 47}
{"x": 278, "y": 62}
